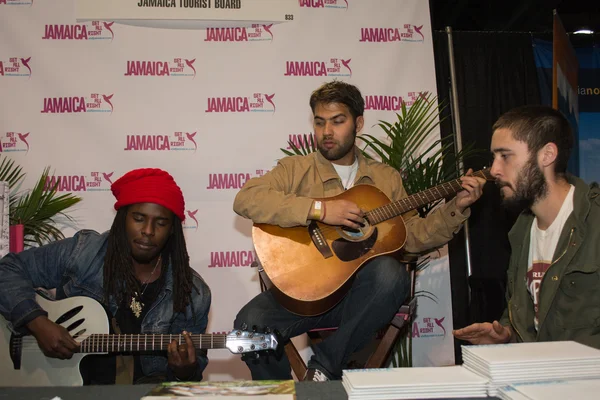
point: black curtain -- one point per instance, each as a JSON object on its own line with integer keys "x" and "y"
{"x": 494, "y": 72}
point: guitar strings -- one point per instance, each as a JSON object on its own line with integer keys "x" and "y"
{"x": 129, "y": 337}
{"x": 29, "y": 343}
{"x": 396, "y": 208}
{"x": 96, "y": 340}
{"x": 373, "y": 217}
{"x": 206, "y": 336}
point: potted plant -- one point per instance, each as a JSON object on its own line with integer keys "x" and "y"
{"x": 36, "y": 209}
{"x": 423, "y": 163}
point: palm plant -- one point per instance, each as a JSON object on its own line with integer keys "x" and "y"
{"x": 423, "y": 164}
{"x": 37, "y": 209}
{"x": 409, "y": 149}
{"x": 11, "y": 174}
{"x": 305, "y": 147}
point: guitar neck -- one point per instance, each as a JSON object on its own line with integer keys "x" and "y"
{"x": 420, "y": 199}
{"x": 106, "y": 343}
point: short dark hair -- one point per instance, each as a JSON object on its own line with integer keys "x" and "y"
{"x": 339, "y": 92}
{"x": 537, "y": 126}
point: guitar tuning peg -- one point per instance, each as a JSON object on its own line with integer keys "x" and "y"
{"x": 254, "y": 328}
{"x": 267, "y": 330}
{"x": 244, "y": 326}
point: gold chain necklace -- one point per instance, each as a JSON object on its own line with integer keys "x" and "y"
{"x": 136, "y": 306}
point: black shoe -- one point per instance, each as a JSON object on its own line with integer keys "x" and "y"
{"x": 315, "y": 375}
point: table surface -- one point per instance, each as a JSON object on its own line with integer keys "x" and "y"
{"x": 304, "y": 391}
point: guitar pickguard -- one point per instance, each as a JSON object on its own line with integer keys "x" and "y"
{"x": 347, "y": 250}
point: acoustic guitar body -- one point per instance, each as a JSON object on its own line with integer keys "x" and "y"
{"x": 312, "y": 267}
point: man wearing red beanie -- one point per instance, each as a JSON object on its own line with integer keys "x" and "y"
{"x": 139, "y": 271}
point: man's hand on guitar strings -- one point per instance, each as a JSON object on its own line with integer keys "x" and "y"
{"x": 54, "y": 340}
{"x": 182, "y": 357}
{"x": 343, "y": 212}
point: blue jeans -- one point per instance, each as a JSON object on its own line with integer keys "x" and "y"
{"x": 379, "y": 289}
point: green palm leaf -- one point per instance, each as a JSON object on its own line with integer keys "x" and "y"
{"x": 40, "y": 209}
{"x": 403, "y": 147}
{"x": 306, "y": 147}
{"x": 12, "y": 174}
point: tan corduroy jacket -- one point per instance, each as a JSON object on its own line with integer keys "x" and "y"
{"x": 284, "y": 197}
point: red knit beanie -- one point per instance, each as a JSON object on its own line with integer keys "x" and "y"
{"x": 149, "y": 185}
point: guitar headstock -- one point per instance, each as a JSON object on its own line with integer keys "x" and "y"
{"x": 240, "y": 342}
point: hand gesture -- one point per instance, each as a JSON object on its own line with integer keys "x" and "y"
{"x": 484, "y": 333}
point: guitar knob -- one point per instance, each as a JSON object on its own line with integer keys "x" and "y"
{"x": 264, "y": 345}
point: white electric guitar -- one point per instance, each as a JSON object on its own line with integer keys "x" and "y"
{"x": 22, "y": 363}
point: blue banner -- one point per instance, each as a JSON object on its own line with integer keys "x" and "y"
{"x": 589, "y": 103}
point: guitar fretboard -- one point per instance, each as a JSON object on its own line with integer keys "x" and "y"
{"x": 102, "y": 343}
{"x": 417, "y": 200}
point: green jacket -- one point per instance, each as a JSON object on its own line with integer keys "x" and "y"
{"x": 569, "y": 299}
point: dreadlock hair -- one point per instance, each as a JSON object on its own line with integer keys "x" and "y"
{"x": 119, "y": 275}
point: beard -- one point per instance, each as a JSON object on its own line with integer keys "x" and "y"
{"x": 530, "y": 187}
{"x": 340, "y": 151}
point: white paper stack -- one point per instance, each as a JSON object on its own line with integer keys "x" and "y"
{"x": 583, "y": 389}
{"x": 508, "y": 364}
{"x": 411, "y": 383}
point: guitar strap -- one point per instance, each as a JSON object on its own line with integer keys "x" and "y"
{"x": 125, "y": 364}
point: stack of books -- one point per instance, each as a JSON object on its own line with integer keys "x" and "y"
{"x": 411, "y": 383}
{"x": 586, "y": 389}
{"x": 520, "y": 363}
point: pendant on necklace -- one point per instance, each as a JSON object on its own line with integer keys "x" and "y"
{"x": 136, "y": 306}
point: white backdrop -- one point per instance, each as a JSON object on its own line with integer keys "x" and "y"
{"x": 211, "y": 106}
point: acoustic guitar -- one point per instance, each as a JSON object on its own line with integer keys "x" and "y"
{"x": 24, "y": 364}
{"x": 310, "y": 267}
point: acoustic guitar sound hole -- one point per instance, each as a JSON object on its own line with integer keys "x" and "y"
{"x": 355, "y": 235}
{"x": 349, "y": 250}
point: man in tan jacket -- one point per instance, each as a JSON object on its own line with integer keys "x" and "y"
{"x": 285, "y": 197}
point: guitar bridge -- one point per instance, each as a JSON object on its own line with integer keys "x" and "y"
{"x": 319, "y": 240}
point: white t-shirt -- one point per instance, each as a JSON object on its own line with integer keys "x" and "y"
{"x": 541, "y": 250}
{"x": 347, "y": 173}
